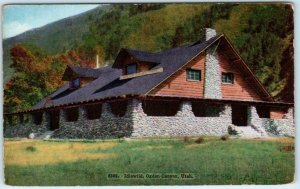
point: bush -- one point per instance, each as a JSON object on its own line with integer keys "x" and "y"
{"x": 186, "y": 139}
{"x": 225, "y": 137}
{"x": 231, "y": 131}
{"x": 288, "y": 148}
{"x": 199, "y": 140}
{"x": 273, "y": 128}
{"x": 31, "y": 149}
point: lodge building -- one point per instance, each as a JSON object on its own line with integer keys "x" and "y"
{"x": 204, "y": 88}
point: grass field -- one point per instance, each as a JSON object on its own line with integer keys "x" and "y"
{"x": 214, "y": 161}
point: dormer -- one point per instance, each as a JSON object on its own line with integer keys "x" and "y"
{"x": 78, "y": 76}
{"x": 136, "y": 63}
{"x": 75, "y": 83}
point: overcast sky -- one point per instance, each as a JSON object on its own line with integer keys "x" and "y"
{"x": 20, "y": 18}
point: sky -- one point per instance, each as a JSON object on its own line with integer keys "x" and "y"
{"x": 20, "y": 18}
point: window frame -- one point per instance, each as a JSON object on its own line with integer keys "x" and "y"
{"x": 128, "y": 65}
{"x": 226, "y": 75}
{"x": 195, "y": 71}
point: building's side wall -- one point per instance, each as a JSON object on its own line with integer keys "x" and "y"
{"x": 241, "y": 88}
{"x": 178, "y": 85}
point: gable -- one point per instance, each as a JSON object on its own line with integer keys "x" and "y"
{"x": 179, "y": 85}
{"x": 241, "y": 88}
{"x": 245, "y": 87}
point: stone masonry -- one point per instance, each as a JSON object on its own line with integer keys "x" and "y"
{"x": 135, "y": 123}
{"x": 272, "y": 127}
{"x": 212, "y": 82}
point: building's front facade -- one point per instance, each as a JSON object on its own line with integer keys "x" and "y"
{"x": 200, "y": 89}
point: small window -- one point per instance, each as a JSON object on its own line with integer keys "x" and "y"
{"x": 131, "y": 69}
{"x": 194, "y": 75}
{"x": 75, "y": 83}
{"x": 227, "y": 78}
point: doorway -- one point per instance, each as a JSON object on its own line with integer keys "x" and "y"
{"x": 54, "y": 120}
{"x": 239, "y": 115}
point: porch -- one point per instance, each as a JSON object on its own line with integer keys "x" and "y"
{"x": 138, "y": 117}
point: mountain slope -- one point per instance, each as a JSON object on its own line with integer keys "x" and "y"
{"x": 262, "y": 33}
{"x": 54, "y": 38}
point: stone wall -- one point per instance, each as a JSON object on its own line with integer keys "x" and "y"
{"x": 24, "y": 129}
{"x": 272, "y": 127}
{"x": 135, "y": 123}
{"x": 184, "y": 123}
{"x": 107, "y": 126}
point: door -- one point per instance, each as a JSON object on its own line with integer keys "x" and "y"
{"x": 239, "y": 115}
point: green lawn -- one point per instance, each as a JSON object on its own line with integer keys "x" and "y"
{"x": 234, "y": 161}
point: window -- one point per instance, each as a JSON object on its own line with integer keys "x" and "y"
{"x": 194, "y": 75}
{"x": 75, "y": 83}
{"x": 131, "y": 68}
{"x": 227, "y": 78}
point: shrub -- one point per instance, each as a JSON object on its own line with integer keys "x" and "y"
{"x": 225, "y": 137}
{"x": 287, "y": 148}
{"x": 186, "y": 139}
{"x": 31, "y": 149}
{"x": 231, "y": 131}
{"x": 199, "y": 140}
{"x": 273, "y": 128}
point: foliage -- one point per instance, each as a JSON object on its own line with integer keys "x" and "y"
{"x": 38, "y": 74}
{"x": 199, "y": 140}
{"x": 232, "y": 131}
{"x": 273, "y": 128}
{"x": 262, "y": 33}
{"x": 30, "y": 149}
{"x": 213, "y": 163}
{"x": 263, "y": 42}
{"x": 224, "y": 137}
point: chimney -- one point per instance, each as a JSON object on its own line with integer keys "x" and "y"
{"x": 207, "y": 33}
{"x": 212, "y": 82}
{"x": 97, "y": 61}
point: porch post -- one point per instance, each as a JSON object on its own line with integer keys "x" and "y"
{"x": 227, "y": 112}
{"x": 106, "y": 111}
{"x": 134, "y": 109}
{"x": 253, "y": 117}
{"x": 45, "y": 120}
{"x": 185, "y": 110}
{"x": 82, "y": 113}
{"x": 62, "y": 116}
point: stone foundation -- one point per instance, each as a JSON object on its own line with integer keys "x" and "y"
{"x": 135, "y": 123}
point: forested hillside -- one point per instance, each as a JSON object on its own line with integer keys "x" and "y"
{"x": 262, "y": 33}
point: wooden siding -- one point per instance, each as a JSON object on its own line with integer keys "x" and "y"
{"x": 178, "y": 85}
{"x": 241, "y": 88}
{"x": 277, "y": 113}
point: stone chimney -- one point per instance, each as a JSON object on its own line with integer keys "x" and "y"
{"x": 207, "y": 33}
{"x": 212, "y": 81}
